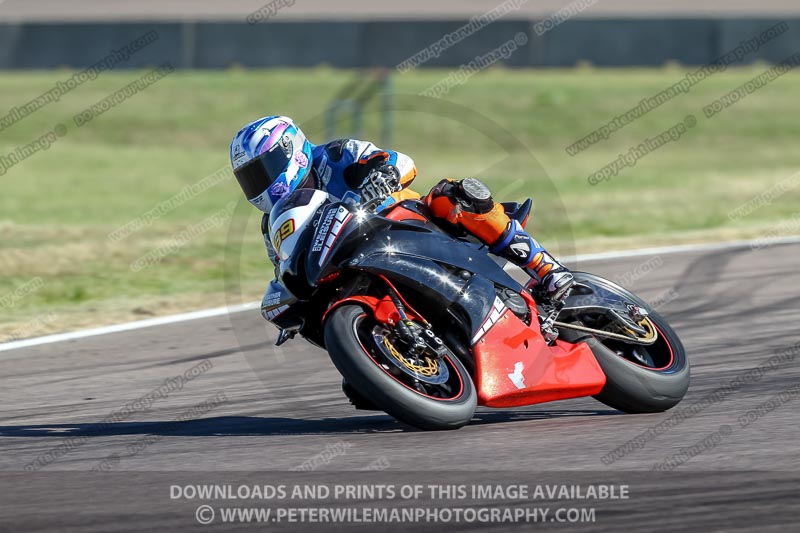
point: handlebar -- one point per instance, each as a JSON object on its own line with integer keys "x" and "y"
{"x": 372, "y": 205}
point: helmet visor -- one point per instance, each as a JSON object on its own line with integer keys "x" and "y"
{"x": 257, "y": 175}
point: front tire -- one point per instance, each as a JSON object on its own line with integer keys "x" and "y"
{"x": 358, "y": 357}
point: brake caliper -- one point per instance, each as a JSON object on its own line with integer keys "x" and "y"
{"x": 420, "y": 339}
{"x": 637, "y": 313}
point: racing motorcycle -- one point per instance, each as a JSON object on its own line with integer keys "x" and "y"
{"x": 425, "y": 325}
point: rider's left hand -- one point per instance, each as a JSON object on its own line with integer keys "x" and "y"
{"x": 381, "y": 182}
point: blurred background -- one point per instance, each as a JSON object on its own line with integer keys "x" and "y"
{"x": 630, "y": 124}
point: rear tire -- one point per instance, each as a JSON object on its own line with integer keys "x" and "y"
{"x": 632, "y": 387}
{"x": 355, "y": 358}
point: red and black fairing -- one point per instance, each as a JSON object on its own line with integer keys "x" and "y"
{"x": 453, "y": 280}
{"x": 482, "y": 312}
{"x": 515, "y": 366}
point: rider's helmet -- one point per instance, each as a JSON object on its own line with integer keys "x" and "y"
{"x": 271, "y": 157}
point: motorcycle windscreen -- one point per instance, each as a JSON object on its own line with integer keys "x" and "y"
{"x": 514, "y": 366}
{"x": 291, "y": 217}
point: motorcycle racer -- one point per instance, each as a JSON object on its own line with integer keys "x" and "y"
{"x": 272, "y": 157}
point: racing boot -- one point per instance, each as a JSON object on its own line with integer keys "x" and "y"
{"x": 521, "y": 249}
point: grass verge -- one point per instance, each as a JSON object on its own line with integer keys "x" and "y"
{"x": 62, "y": 266}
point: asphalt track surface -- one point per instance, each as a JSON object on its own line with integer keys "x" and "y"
{"x": 272, "y": 410}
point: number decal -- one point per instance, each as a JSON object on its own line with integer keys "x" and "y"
{"x": 286, "y": 229}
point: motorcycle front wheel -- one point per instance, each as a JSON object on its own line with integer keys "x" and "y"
{"x": 421, "y": 390}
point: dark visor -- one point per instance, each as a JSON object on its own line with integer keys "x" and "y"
{"x": 257, "y": 175}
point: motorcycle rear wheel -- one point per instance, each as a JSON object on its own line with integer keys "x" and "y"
{"x": 639, "y": 379}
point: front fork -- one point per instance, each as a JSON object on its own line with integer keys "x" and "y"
{"x": 417, "y": 337}
{"x": 406, "y": 324}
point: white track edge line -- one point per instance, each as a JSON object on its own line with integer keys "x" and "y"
{"x": 679, "y": 248}
{"x": 129, "y": 326}
{"x": 220, "y": 311}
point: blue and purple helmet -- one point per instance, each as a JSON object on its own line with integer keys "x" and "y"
{"x": 270, "y": 157}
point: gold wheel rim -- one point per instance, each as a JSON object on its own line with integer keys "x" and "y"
{"x": 429, "y": 369}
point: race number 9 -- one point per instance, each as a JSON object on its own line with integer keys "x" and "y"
{"x": 286, "y": 229}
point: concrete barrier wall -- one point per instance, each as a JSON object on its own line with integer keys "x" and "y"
{"x": 214, "y": 45}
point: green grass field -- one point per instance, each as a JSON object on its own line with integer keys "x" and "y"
{"x": 58, "y": 207}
